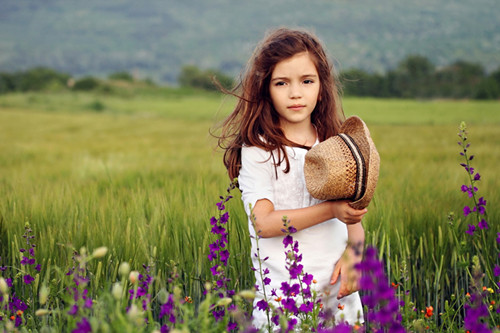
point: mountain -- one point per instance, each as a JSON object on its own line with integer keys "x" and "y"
{"x": 155, "y": 38}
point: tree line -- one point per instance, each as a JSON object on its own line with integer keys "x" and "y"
{"x": 417, "y": 77}
{"x": 414, "y": 77}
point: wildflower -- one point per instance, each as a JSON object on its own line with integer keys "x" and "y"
{"x": 28, "y": 279}
{"x": 383, "y": 307}
{"x": 262, "y": 305}
{"x": 188, "y": 299}
{"x": 73, "y": 310}
{"x": 467, "y": 210}
{"x": 340, "y": 306}
{"x": 133, "y": 276}
{"x": 429, "y": 311}
{"x": 471, "y": 229}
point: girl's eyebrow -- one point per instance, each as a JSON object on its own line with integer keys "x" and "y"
{"x": 280, "y": 78}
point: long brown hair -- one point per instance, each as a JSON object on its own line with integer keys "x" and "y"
{"x": 255, "y": 122}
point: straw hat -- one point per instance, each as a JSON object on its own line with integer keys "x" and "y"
{"x": 345, "y": 166}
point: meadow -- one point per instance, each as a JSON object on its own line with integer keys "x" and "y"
{"x": 138, "y": 171}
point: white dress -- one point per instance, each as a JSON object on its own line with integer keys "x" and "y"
{"x": 321, "y": 245}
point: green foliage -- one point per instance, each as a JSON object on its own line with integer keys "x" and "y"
{"x": 417, "y": 77}
{"x": 35, "y": 79}
{"x": 122, "y": 76}
{"x": 192, "y": 76}
{"x": 86, "y": 83}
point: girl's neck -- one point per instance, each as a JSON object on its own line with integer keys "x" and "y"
{"x": 303, "y": 134}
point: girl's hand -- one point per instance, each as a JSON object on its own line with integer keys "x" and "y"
{"x": 349, "y": 275}
{"x": 344, "y": 212}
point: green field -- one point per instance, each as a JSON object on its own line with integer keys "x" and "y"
{"x": 138, "y": 172}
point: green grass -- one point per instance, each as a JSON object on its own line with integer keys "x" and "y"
{"x": 142, "y": 176}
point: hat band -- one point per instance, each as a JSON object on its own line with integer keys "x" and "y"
{"x": 360, "y": 164}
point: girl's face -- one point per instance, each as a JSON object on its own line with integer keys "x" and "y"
{"x": 294, "y": 89}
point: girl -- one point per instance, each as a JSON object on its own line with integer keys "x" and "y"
{"x": 289, "y": 102}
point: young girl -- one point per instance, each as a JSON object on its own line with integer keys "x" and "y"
{"x": 289, "y": 102}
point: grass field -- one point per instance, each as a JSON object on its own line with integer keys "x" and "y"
{"x": 138, "y": 172}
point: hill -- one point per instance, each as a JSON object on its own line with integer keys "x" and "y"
{"x": 155, "y": 38}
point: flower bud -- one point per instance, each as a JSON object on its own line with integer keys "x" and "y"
{"x": 163, "y": 296}
{"x": 43, "y": 294}
{"x": 124, "y": 269}
{"x": 224, "y": 301}
{"x": 4, "y": 289}
{"x": 117, "y": 291}
{"x": 100, "y": 252}
{"x": 134, "y": 276}
{"x": 247, "y": 294}
{"x": 41, "y": 312}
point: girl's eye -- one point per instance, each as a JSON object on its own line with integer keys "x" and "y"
{"x": 280, "y": 83}
{"x": 308, "y": 81}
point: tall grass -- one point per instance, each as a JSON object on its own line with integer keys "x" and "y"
{"x": 141, "y": 177}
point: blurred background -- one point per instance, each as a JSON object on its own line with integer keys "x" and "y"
{"x": 155, "y": 39}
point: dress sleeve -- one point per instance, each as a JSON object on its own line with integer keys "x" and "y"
{"x": 256, "y": 176}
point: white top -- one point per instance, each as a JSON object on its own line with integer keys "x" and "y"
{"x": 321, "y": 245}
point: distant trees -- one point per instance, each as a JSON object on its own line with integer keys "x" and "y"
{"x": 414, "y": 77}
{"x": 192, "y": 76}
{"x": 417, "y": 77}
{"x": 38, "y": 78}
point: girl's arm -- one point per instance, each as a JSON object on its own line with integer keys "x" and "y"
{"x": 349, "y": 275}
{"x": 270, "y": 222}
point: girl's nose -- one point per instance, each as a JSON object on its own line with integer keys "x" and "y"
{"x": 295, "y": 91}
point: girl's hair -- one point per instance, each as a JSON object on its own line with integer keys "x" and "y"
{"x": 255, "y": 122}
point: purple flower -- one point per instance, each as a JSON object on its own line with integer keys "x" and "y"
{"x": 224, "y": 256}
{"x": 471, "y": 230}
{"x": 220, "y": 205}
{"x": 306, "y": 307}
{"x": 27, "y": 261}
{"x": 28, "y": 279}
{"x": 267, "y": 281}
{"x": 496, "y": 270}
{"x": 483, "y": 224}
{"x": 288, "y": 240}
{"x": 224, "y": 218}
{"x": 379, "y": 297}
{"x": 262, "y": 305}
{"x": 295, "y": 270}
{"x": 73, "y": 310}
{"x": 467, "y": 210}
{"x": 82, "y": 327}
{"x": 307, "y": 279}
{"x": 477, "y": 177}
{"x": 289, "y": 304}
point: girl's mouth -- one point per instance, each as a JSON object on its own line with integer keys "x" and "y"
{"x": 296, "y": 107}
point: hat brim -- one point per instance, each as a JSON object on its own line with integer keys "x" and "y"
{"x": 357, "y": 129}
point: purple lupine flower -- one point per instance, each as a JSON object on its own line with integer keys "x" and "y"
{"x": 288, "y": 240}
{"x": 471, "y": 230}
{"x": 477, "y": 177}
{"x": 379, "y": 297}
{"x": 82, "y": 326}
{"x": 306, "y": 307}
{"x": 496, "y": 270}
{"x": 262, "y": 305}
{"x": 28, "y": 279}
{"x": 73, "y": 310}
{"x": 467, "y": 210}
{"x": 483, "y": 224}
